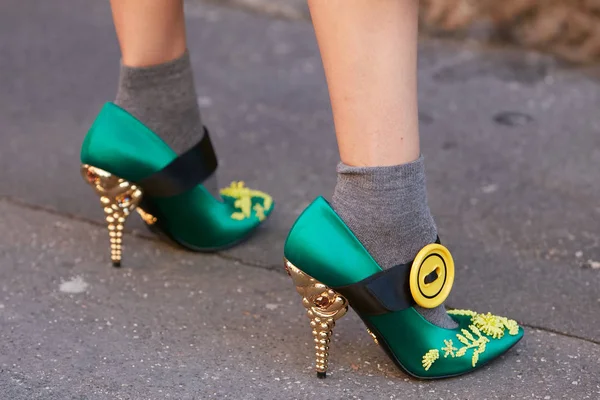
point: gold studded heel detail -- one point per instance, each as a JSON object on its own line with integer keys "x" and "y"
{"x": 324, "y": 306}
{"x": 373, "y": 336}
{"x": 118, "y": 198}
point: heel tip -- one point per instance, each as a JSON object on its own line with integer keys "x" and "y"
{"x": 321, "y": 375}
{"x": 116, "y": 264}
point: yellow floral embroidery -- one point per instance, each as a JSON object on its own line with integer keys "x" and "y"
{"x": 470, "y": 342}
{"x": 260, "y": 212}
{"x": 462, "y": 312}
{"x": 473, "y": 338}
{"x": 243, "y": 201}
{"x": 429, "y": 358}
{"x": 492, "y": 325}
{"x": 511, "y": 325}
{"x": 449, "y": 348}
{"x": 489, "y": 324}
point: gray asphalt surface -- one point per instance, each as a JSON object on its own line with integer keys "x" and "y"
{"x": 512, "y": 142}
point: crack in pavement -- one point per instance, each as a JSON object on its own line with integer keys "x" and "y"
{"x": 133, "y": 232}
{"x": 565, "y": 334}
{"x": 24, "y": 205}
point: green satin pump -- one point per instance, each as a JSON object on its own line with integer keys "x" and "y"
{"x": 324, "y": 258}
{"x": 119, "y": 152}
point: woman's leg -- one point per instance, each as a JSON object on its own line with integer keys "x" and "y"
{"x": 156, "y": 82}
{"x": 369, "y": 51}
{"x": 150, "y": 32}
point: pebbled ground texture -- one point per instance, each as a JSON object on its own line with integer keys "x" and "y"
{"x": 512, "y": 146}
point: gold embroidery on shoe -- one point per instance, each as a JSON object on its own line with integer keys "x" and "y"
{"x": 449, "y": 348}
{"x": 491, "y": 325}
{"x": 462, "y": 312}
{"x": 470, "y": 342}
{"x": 243, "y": 201}
{"x": 429, "y": 358}
{"x": 473, "y": 338}
{"x": 511, "y": 325}
{"x": 260, "y": 212}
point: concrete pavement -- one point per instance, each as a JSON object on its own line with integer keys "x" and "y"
{"x": 181, "y": 326}
{"x": 512, "y": 144}
{"x": 289, "y": 9}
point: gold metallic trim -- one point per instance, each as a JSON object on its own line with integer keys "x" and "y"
{"x": 147, "y": 217}
{"x": 118, "y": 198}
{"x": 324, "y": 306}
{"x": 373, "y": 336}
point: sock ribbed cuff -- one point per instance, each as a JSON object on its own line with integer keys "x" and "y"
{"x": 139, "y": 77}
{"x": 383, "y": 178}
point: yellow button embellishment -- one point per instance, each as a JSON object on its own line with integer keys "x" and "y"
{"x": 431, "y": 276}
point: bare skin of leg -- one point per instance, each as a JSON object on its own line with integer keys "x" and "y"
{"x": 369, "y": 51}
{"x": 150, "y": 32}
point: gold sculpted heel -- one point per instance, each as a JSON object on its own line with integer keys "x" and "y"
{"x": 118, "y": 198}
{"x": 324, "y": 306}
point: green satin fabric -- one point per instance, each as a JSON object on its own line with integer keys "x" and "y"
{"x": 322, "y": 246}
{"x": 120, "y": 144}
{"x": 410, "y": 337}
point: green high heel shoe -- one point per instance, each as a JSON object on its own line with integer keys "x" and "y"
{"x": 130, "y": 168}
{"x": 332, "y": 269}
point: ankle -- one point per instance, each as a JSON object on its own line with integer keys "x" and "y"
{"x": 163, "y": 97}
{"x": 147, "y": 58}
{"x": 386, "y": 208}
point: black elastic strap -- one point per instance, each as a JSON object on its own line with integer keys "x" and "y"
{"x": 381, "y": 293}
{"x": 185, "y": 172}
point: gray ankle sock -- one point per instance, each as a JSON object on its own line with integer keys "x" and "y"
{"x": 164, "y": 98}
{"x": 386, "y": 208}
